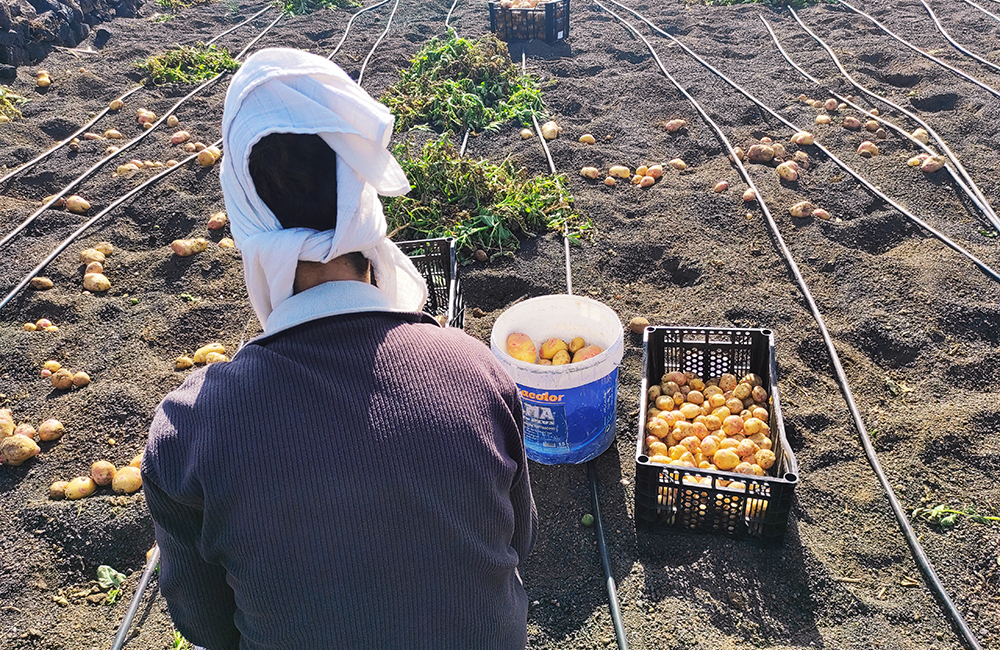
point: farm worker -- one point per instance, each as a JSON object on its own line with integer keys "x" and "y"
{"x": 356, "y": 476}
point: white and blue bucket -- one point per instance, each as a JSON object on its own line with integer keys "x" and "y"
{"x": 569, "y": 410}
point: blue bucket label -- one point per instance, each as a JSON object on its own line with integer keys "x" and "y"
{"x": 571, "y": 425}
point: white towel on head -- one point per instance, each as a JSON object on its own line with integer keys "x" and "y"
{"x": 281, "y": 90}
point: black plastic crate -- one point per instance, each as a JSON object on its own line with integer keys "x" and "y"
{"x": 548, "y": 21}
{"x": 666, "y": 497}
{"x": 436, "y": 261}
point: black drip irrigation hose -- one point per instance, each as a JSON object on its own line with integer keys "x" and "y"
{"x": 944, "y": 239}
{"x": 94, "y": 168}
{"x": 941, "y": 144}
{"x": 351, "y": 23}
{"x": 133, "y": 608}
{"x": 447, "y": 20}
{"x": 954, "y": 167}
{"x": 900, "y": 515}
{"x": 985, "y": 11}
{"x": 616, "y": 614}
{"x": 92, "y": 122}
{"x": 237, "y": 26}
{"x": 916, "y": 49}
{"x": 958, "y": 47}
{"x": 65, "y": 141}
{"x": 87, "y": 224}
{"x": 388, "y": 24}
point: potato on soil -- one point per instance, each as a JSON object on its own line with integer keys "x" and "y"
{"x": 188, "y": 247}
{"x": 217, "y": 221}
{"x": 97, "y": 282}
{"x": 62, "y": 379}
{"x": 619, "y": 171}
{"x": 206, "y": 158}
{"x": 802, "y": 209}
{"x": 6, "y": 422}
{"x": 51, "y": 429}
{"x": 77, "y": 204}
{"x": 550, "y": 130}
{"x": 823, "y": 119}
{"x": 136, "y": 460}
{"x": 921, "y": 136}
{"x": 15, "y": 450}
{"x": 172, "y": 121}
{"x": 646, "y": 181}
{"x": 202, "y": 353}
{"x": 116, "y": 104}
{"x": 852, "y": 123}
{"x": 586, "y": 138}
{"x": 57, "y": 490}
{"x": 932, "y": 164}
{"x": 94, "y": 267}
{"x": 527, "y": 134}
{"x": 127, "y": 480}
{"x": 80, "y": 487}
{"x": 672, "y": 126}
{"x": 215, "y": 357}
{"x": 180, "y": 137}
{"x": 103, "y": 472}
{"x": 655, "y": 171}
{"x": 26, "y": 430}
{"x": 40, "y": 283}
{"x": 590, "y": 172}
{"x": 867, "y": 149}
{"x": 760, "y": 153}
{"x": 638, "y": 324}
{"x": 89, "y": 255}
{"x": 788, "y": 171}
{"x": 803, "y": 138}
{"x": 183, "y": 362}
{"x": 80, "y": 379}
{"x": 609, "y": 181}
{"x": 749, "y": 195}
{"x": 519, "y": 346}
{"x": 720, "y": 187}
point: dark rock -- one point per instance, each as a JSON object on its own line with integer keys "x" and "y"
{"x": 102, "y": 37}
{"x": 7, "y": 71}
{"x": 5, "y": 19}
{"x": 11, "y": 38}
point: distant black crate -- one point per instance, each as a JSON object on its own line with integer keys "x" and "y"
{"x": 666, "y": 497}
{"x": 435, "y": 259}
{"x": 547, "y": 22}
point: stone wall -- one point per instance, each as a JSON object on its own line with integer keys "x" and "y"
{"x": 30, "y": 28}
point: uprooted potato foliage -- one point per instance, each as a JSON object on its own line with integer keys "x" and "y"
{"x": 483, "y": 205}
{"x": 9, "y": 102}
{"x": 188, "y": 64}
{"x": 453, "y": 84}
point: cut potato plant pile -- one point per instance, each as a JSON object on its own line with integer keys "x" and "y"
{"x": 9, "y": 103}
{"x": 716, "y": 424}
{"x": 188, "y": 64}
{"x": 553, "y": 352}
{"x": 483, "y": 205}
{"x": 454, "y": 84}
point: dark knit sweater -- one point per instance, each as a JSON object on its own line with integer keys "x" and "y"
{"x": 358, "y": 481}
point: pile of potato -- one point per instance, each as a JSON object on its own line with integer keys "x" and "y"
{"x": 41, "y": 325}
{"x": 93, "y": 274}
{"x": 62, "y": 378}
{"x": 124, "y": 480}
{"x": 718, "y": 424}
{"x": 644, "y": 176}
{"x": 211, "y": 353}
{"x": 17, "y": 443}
{"x": 553, "y": 352}
{"x": 787, "y": 165}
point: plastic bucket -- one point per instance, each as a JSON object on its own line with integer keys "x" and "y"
{"x": 569, "y": 410}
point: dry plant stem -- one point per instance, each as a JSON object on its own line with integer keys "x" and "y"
{"x": 900, "y": 515}
{"x": 982, "y": 202}
{"x": 349, "y": 24}
{"x": 871, "y": 188}
{"x": 974, "y": 194}
{"x": 916, "y": 49}
{"x": 447, "y": 19}
{"x": 958, "y": 47}
{"x": 388, "y": 24}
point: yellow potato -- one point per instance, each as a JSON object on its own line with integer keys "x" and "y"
{"x": 726, "y": 459}
{"x": 81, "y": 486}
{"x": 103, "y": 472}
{"x": 6, "y": 422}
{"x": 51, "y": 430}
{"x": 202, "y": 352}
{"x": 127, "y": 480}
{"x": 57, "y": 490}
{"x": 551, "y": 346}
{"x": 519, "y": 346}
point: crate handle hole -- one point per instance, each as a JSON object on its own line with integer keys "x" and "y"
{"x": 791, "y": 478}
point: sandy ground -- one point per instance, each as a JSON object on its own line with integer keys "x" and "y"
{"x": 915, "y": 324}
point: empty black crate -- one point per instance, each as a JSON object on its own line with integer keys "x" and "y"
{"x": 548, "y": 21}
{"x": 667, "y": 499}
{"x": 435, "y": 259}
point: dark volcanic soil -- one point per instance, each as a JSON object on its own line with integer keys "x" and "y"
{"x": 916, "y": 325}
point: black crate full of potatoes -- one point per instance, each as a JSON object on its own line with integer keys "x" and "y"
{"x": 711, "y": 455}
{"x": 525, "y": 20}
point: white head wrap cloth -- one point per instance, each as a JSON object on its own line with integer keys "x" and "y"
{"x": 282, "y": 90}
